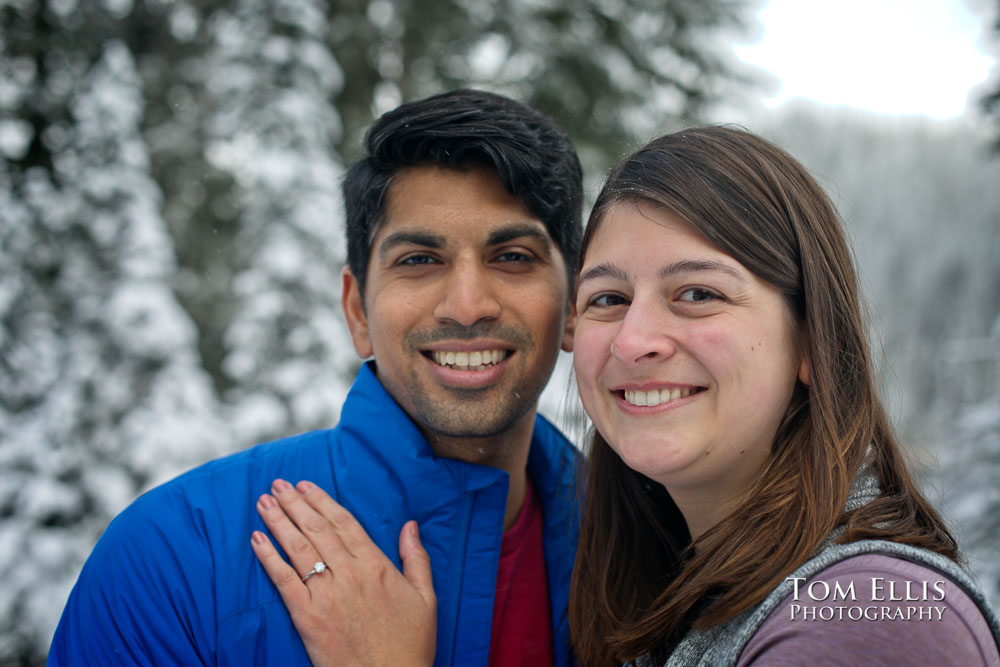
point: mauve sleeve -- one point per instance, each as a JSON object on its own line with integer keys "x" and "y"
{"x": 874, "y": 610}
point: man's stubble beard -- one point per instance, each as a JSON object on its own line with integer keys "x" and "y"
{"x": 476, "y": 413}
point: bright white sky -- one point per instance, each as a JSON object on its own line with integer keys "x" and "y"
{"x": 888, "y": 56}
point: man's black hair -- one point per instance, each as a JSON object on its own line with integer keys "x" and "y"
{"x": 534, "y": 159}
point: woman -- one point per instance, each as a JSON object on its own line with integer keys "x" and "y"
{"x": 742, "y": 466}
{"x": 714, "y": 267}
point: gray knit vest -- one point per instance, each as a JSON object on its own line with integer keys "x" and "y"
{"x": 723, "y": 644}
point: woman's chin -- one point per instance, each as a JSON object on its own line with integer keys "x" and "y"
{"x": 660, "y": 465}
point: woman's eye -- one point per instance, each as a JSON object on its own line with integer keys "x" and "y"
{"x": 607, "y": 300}
{"x": 698, "y": 295}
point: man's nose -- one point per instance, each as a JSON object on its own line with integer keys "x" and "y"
{"x": 469, "y": 295}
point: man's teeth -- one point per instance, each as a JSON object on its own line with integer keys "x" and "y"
{"x": 469, "y": 361}
{"x": 655, "y": 396}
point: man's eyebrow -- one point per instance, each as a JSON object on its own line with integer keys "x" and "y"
{"x": 516, "y": 231}
{"x": 698, "y": 265}
{"x": 424, "y": 239}
{"x": 604, "y": 270}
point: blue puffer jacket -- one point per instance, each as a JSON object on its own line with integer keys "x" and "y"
{"x": 173, "y": 579}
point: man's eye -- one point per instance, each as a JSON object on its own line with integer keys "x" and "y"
{"x": 698, "y": 295}
{"x": 416, "y": 260}
{"x": 514, "y": 256}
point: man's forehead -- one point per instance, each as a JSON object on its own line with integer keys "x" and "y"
{"x": 443, "y": 208}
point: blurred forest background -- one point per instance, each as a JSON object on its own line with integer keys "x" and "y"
{"x": 171, "y": 240}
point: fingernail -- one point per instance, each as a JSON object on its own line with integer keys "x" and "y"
{"x": 258, "y": 538}
{"x": 305, "y": 487}
{"x": 280, "y": 485}
{"x": 414, "y": 530}
{"x": 267, "y": 502}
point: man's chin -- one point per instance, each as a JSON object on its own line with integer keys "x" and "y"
{"x": 462, "y": 411}
{"x": 487, "y": 416}
{"x": 457, "y": 427}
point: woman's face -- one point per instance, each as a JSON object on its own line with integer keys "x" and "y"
{"x": 686, "y": 361}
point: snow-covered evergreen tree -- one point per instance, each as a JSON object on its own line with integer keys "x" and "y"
{"x": 269, "y": 78}
{"x": 102, "y": 392}
{"x": 922, "y": 209}
{"x": 967, "y": 413}
{"x": 612, "y": 73}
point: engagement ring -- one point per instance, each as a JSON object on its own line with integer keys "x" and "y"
{"x": 318, "y": 567}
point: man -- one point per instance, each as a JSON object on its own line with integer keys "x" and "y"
{"x": 463, "y": 231}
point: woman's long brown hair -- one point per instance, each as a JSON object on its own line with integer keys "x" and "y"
{"x": 639, "y": 584}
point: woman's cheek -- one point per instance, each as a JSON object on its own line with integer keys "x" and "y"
{"x": 591, "y": 348}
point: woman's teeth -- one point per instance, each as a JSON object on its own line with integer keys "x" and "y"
{"x": 655, "y": 396}
{"x": 469, "y": 361}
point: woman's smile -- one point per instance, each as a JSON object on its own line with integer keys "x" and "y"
{"x": 655, "y": 397}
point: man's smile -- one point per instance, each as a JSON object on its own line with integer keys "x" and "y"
{"x": 478, "y": 360}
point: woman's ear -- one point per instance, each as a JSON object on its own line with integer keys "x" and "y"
{"x": 804, "y": 373}
{"x": 804, "y": 367}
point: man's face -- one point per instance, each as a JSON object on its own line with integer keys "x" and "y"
{"x": 465, "y": 305}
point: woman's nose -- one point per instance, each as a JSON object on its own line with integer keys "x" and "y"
{"x": 646, "y": 333}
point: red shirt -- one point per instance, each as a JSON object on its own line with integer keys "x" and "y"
{"x": 522, "y": 619}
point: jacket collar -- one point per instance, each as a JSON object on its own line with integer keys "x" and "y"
{"x": 371, "y": 414}
{"x": 394, "y": 475}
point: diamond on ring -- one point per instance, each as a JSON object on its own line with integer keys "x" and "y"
{"x": 318, "y": 567}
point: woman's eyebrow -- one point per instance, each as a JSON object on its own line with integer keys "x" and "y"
{"x": 607, "y": 270}
{"x": 603, "y": 270}
{"x": 698, "y": 265}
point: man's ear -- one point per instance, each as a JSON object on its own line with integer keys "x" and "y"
{"x": 570, "y": 330}
{"x": 354, "y": 312}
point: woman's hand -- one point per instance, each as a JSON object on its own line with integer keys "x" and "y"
{"x": 360, "y": 610}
